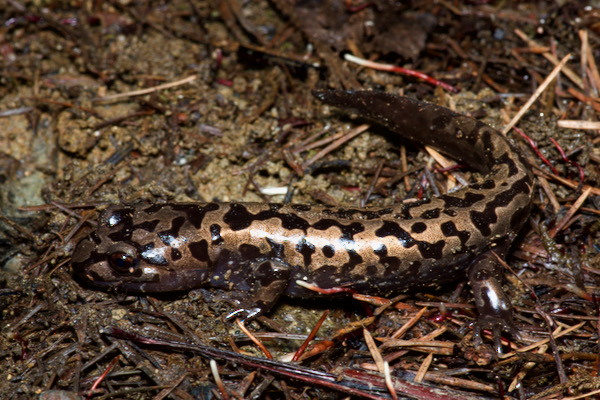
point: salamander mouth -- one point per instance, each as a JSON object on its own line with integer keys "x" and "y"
{"x": 165, "y": 281}
{"x": 147, "y": 279}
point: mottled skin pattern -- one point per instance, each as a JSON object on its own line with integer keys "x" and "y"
{"x": 263, "y": 250}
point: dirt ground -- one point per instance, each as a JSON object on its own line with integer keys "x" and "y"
{"x": 128, "y": 101}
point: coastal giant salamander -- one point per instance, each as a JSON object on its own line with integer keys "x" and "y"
{"x": 266, "y": 250}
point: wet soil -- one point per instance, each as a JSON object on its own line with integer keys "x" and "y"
{"x": 194, "y": 101}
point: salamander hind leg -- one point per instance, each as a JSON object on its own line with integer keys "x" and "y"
{"x": 495, "y": 309}
{"x": 257, "y": 287}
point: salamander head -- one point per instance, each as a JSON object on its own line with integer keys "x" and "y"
{"x": 126, "y": 257}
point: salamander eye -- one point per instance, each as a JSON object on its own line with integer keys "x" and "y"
{"x": 123, "y": 263}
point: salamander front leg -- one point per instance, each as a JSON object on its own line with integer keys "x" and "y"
{"x": 495, "y": 309}
{"x": 267, "y": 280}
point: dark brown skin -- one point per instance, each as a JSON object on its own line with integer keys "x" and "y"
{"x": 265, "y": 250}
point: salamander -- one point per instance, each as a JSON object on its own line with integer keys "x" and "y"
{"x": 262, "y": 251}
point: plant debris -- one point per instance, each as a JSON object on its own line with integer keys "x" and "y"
{"x": 192, "y": 100}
